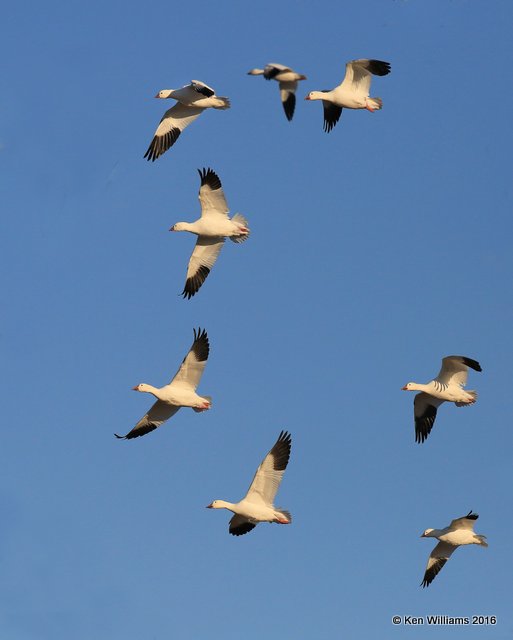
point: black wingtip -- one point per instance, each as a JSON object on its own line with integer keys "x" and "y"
{"x": 332, "y": 115}
{"x": 186, "y": 293}
{"x": 432, "y": 572}
{"x": 473, "y": 364}
{"x": 379, "y": 67}
{"x": 201, "y": 345}
{"x": 203, "y": 89}
{"x": 138, "y": 432}
{"x": 281, "y": 451}
{"x": 270, "y": 72}
{"x": 242, "y": 529}
{"x": 285, "y": 437}
{"x": 160, "y": 144}
{"x": 471, "y": 516}
{"x": 424, "y": 424}
{"x": 289, "y": 106}
{"x": 193, "y": 284}
{"x": 209, "y": 178}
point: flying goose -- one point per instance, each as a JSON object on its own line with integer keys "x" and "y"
{"x": 180, "y": 392}
{"x": 212, "y": 228}
{"x": 191, "y": 99}
{"x": 352, "y": 92}
{"x": 459, "y": 532}
{"x": 446, "y": 387}
{"x": 257, "y": 506}
{"x": 287, "y": 79}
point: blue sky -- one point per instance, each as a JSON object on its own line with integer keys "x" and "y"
{"x": 375, "y": 251}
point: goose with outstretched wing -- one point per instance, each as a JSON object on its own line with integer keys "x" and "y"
{"x": 352, "y": 92}
{"x": 192, "y": 100}
{"x": 212, "y": 228}
{"x": 448, "y": 386}
{"x": 180, "y": 392}
{"x": 458, "y": 533}
{"x": 258, "y": 504}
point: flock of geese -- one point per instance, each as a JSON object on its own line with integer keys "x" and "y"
{"x": 212, "y": 228}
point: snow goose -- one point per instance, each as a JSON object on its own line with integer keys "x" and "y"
{"x": 352, "y": 92}
{"x": 257, "y": 506}
{"x": 191, "y": 99}
{"x": 180, "y": 392}
{"x": 459, "y": 532}
{"x": 212, "y": 228}
{"x": 446, "y": 387}
{"x": 287, "y": 79}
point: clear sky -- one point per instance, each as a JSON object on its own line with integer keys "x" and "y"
{"x": 375, "y": 251}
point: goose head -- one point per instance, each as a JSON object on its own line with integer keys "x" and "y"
{"x": 314, "y": 95}
{"x": 164, "y": 93}
{"x": 217, "y": 504}
{"x": 145, "y": 388}
{"x": 179, "y": 226}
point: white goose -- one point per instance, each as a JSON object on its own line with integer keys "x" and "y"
{"x": 459, "y": 532}
{"x": 446, "y": 387}
{"x": 191, "y": 99}
{"x": 212, "y": 228}
{"x": 287, "y": 79}
{"x": 352, "y": 92}
{"x": 180, "y": 392}
{"x": 257, "y": 506}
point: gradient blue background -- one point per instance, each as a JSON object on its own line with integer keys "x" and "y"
{"x": 375, "y": 251}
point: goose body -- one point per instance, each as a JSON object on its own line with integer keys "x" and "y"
{"x": 180, "y": 392}
{"x": 352, "y": 92}
{"x": 459, "y": 532}
{"x": 446, "y": 387}
{"x": 192, "y": 100}
{"x": 257, "y": 506}
{"x": 287, "y": 79}
{"x": 212, "y": 228}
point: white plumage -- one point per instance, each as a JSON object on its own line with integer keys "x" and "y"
{"x": 446, "y": 387}
{"x": 258, "y": 504}
{"x": 212, "y": 228}
{"x": 192, "y": 100}
{"x": 287, "y": 79}
{"x": 352, "y": 92}
{"x": 458, "y": 533}
{"x": 180, "y": 392}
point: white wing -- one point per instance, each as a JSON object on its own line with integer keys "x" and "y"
{"x": 466, "y": 522}
{"x": 359, "y": 72}
{"x": 270, "y": 472}
{"x": 455, "y": 370}
{"x": 201, "y": 262}
{"x": 157, "y": 415}
{"x": 192, "y": 367}
{"x": 211, "y": 195}
{"x": 171, "y": 126}
{"x": 439, "y": 556}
